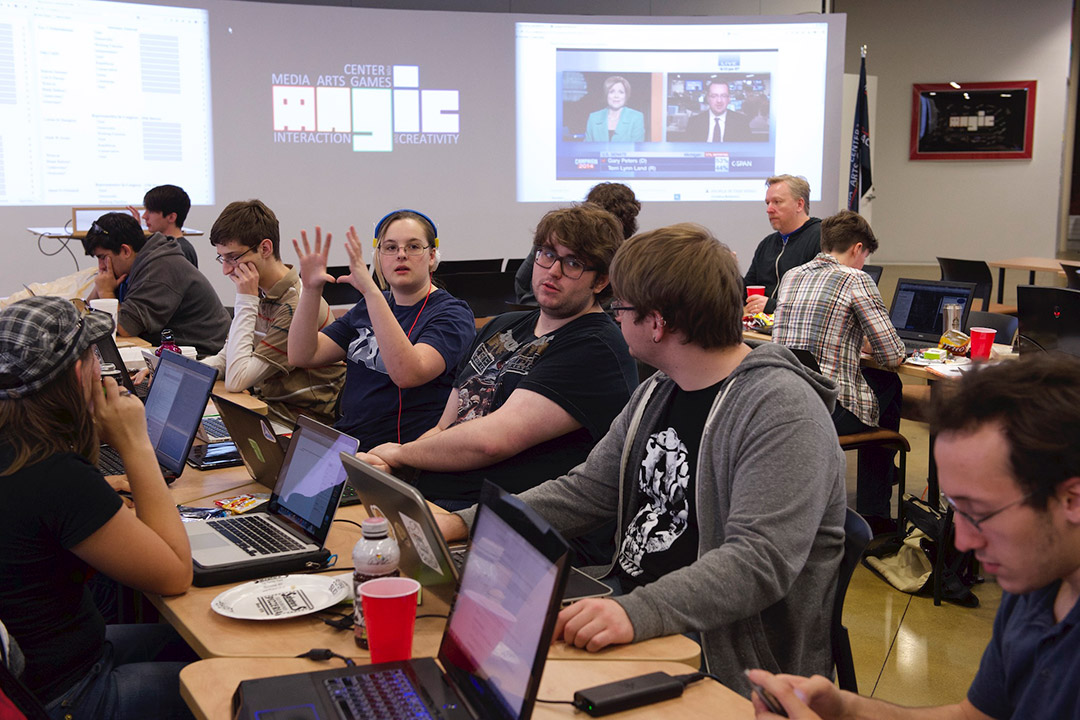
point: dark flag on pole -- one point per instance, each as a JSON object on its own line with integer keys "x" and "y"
{"x": 860, "y": 180}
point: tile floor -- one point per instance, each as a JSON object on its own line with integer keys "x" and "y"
{"x": 907, "y": 650}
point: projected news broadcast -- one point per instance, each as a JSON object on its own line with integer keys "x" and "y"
{"x": 680, "y": 112}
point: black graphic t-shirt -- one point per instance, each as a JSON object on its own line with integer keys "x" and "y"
{"x": 662, "y": 534}
{"x": 584, "y": 367}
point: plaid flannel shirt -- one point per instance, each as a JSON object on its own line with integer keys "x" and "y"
{"x": 828, "y": 308}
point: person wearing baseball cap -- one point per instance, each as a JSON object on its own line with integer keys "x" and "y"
{"x": 63, "y": 520}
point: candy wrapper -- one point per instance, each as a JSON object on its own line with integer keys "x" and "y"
{"x": 241, "y": 503}
{"x": 955, "y": 343}
{"x": 759, "y": 322}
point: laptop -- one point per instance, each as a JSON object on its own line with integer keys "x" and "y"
{"x": 916, "y": 309}
{"x": 299, "y": 515}
{"x": 112, "y": 364}
{"x": 1049, "y": 319}
{"x": 425, "y": 556}
{"x": 174, "y": 408}
{"x": 493, "y": 649}
{"x": 261, "y": 443}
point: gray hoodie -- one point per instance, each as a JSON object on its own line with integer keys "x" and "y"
{"x": 166, "y": 291}
{"x": 770, "y": 504}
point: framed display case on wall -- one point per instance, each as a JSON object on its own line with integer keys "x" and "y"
{"x": 972, "y": 121}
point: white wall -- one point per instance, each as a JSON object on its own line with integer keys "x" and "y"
{"x": 988, "y": 209}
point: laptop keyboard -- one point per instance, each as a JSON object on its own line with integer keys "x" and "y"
{"x": 383, "y": 694}
{"x": 109, "y": 461}
{"x": 215, "y": 430}
{"x": 255, "y": 535}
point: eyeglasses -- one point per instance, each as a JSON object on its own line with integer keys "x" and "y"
{"x": 571, "y": 266}
{"x": 95, "y": 229}
{"x": 977, "y": 522}
{"x": 412, "y": 249}
{"x": 234, "y": 259}
{"x": 617, "y": 308}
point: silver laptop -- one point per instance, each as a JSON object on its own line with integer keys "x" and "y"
{"x": 301, "y": 508}
{"x": 260, "y": 442}
{"x": 425, "y": 556}
{"x": 916, "y": 309}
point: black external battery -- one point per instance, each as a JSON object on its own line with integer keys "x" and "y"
{"x": 626, "y": 694}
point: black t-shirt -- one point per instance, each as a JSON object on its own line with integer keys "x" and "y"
{"x": 584, "y": 367}
{"x": 50, "y": 507}
{"x": 662, "y": 534}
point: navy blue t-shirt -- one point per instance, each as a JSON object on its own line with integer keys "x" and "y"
{"x": 1031, "y": 666}
{"x": 369, "y": 402}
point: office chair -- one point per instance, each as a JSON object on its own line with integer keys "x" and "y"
{"x": 1005, "y": 325}
{"x": 978, "y": 272}
{"x": 857, "y": 536}
{"x": 339, "y": 293}
{"x": 874, "y": 271}
{"x": 1072, "y": 274}
{"x": 487, "y": 293}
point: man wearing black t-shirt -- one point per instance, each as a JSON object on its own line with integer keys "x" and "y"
{"x": 538, "y": 388}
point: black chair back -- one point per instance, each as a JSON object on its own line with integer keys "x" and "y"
{"x": 973, "y": 271}
{"x": 857, "y": 535}
{"x": 339, "y": 293}
{"x": 1072, "y": 274}
{"x": 1005, "y": 325}
{"x": 1049, "y": 319}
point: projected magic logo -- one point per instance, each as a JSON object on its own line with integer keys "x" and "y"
{"x": 371, "y": 107}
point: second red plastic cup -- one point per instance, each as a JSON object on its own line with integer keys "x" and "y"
{"x": 390, "y": 616}
{"x": 752, "y": 290}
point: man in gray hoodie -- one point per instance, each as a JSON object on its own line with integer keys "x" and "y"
{"x": 723, "y": 475}
{"x": 156, "y": 285}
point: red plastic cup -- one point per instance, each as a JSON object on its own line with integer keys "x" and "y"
{"x": 390, "y": 616}
{"x": 752, "y": 290}
{"x": 982, "y": 339}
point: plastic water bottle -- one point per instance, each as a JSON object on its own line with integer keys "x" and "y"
{"x": 167, "y": 343}
{"x": 375, "y": 555}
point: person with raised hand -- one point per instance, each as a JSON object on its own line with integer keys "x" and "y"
{"x": 402, "y": 344}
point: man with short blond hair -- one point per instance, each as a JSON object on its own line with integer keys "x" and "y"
{"x": 796, "y": 241}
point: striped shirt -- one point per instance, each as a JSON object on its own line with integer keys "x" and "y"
{"x": 829, "y": 308}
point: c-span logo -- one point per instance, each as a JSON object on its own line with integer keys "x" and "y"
{"x": 370, "y": 106}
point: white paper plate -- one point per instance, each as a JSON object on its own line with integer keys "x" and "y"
{"x": 922, "y": 362}
{"x": 282, "y": 596}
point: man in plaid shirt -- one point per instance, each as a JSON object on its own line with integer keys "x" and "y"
{"x": 834, "y": 310}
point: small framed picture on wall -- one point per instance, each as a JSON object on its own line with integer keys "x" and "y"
{"x": 972, "y": 121}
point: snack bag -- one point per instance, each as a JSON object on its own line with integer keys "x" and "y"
{"x": 956, "y": 343}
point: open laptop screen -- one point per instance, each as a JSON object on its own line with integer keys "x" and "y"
{"x": 500, "y": 618}
{"x": 312, "y": 477}
{"x": 917, "y": 304}
{"x": 175, "y": 405}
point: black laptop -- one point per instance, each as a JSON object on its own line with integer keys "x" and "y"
{"x": 174, "y": 408}
{"x": 1049, "y": 319}
{"x": 261, "y": 444}
{"x": 493, "y": 649}
{"x": 112, "y": 364}
{"x": 917, "y": 305}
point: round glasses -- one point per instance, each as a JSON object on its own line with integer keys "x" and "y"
{"x": 571, "y": 266}
{"x": 411, "y": 249}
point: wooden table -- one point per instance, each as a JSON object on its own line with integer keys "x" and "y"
{"x": 207, "y": 687}
{"x": 1031, "y": 264}
{"x": 213, "y": 635}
